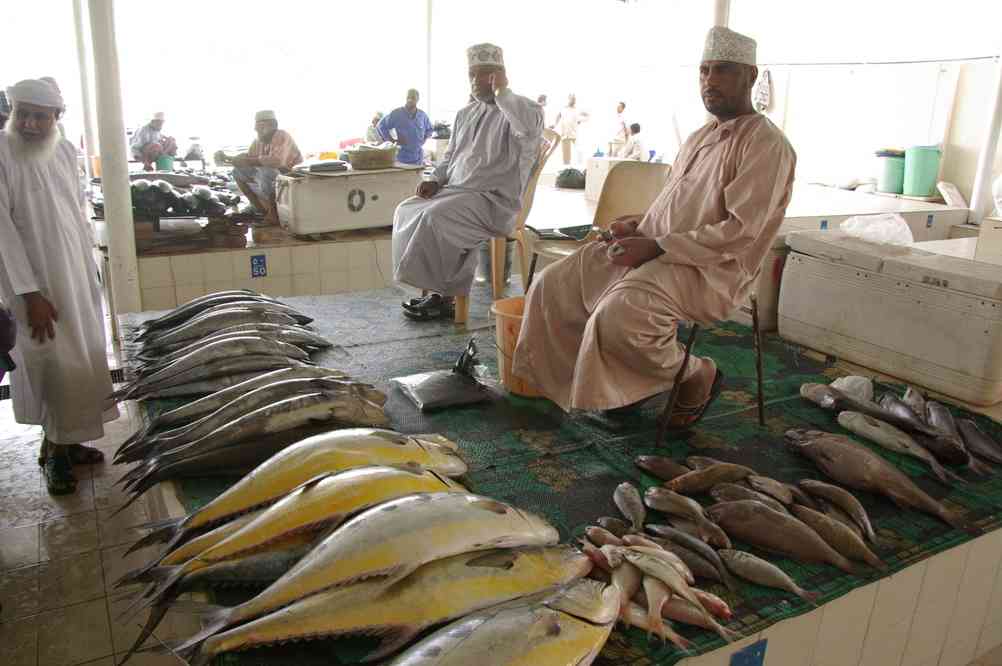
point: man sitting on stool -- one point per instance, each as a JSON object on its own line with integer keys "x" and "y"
{"x": 475, "y": 193}
{"x": 149, "y": 142}
{"x": 255, "y": 171}
{"x": 600, "y": 326}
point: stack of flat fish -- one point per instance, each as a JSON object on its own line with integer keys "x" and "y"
{"x": 364, "y": 532}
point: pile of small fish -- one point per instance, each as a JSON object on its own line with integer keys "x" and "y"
{"x": 244, "y": 357}
{"x": 366, "y": 532}
{"x": 811, "y": 521}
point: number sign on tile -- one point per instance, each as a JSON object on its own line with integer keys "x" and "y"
{"x": 259, "y": 265}
{"x": 753, "y": 655}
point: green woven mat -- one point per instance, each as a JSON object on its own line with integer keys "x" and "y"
{"x": 565, "y": 467}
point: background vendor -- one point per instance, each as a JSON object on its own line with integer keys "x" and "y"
{"x": 272, "y": 152}
{"x": 149, "y": 142}
{"x": 412, "y": 127}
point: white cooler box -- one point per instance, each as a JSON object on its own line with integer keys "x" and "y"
{"x": 925, "y": 225}
{"x": 929, "y": 319}
{"x": 319, "y": 203}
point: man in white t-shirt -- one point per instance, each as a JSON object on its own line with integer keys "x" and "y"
{"x": 620, "y": 132}
{"x": 566, "y": 126}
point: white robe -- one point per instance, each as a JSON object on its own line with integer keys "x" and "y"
{"x": 45, "y": 246}
{"x": 483, "y": 174}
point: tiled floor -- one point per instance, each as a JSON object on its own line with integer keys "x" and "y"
{"x": 60, "y": 556}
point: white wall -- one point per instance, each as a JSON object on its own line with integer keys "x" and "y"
{"x": 970, "y": 122}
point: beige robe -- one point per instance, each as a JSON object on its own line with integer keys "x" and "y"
{"x": 599, "y": 336}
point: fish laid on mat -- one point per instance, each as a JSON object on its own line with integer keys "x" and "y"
{"x": 832, "y": 399}
{"x": 893, "y": 439}
{"x": 844, "y": 500}
{"x": 222, "y": 367}
{"x": 858, "y": 387}
{"x": 245, "y": 404}
{"x": 758, "y": 525}
{"x": 839, "y": 536}
{"x": 328, "y": 453}
{"x": 764, "y": 573}
{"x": 294, "y": 335}
{"x": 569, "y": 627}
{"x": 614, "y": 525}
{"x": 947, "y": 450}
{"x": 670, "y": 502}
{"x": 979, "y": 443}
{"x": 602, "y": 537}
{"x": 699, "y": 566}
{"x": 697, "y": 546}
{"x": 630, "y": 504}
{"x": 731, "y": 492}
{"x": 662, "y": 467}
{"x": 701, "y": 480}
{"x": 837, "y": 514}
{"x": 195, "y": 306}
{"x": 942, "y": 419}
{"x": 916, "y": 401}
{"x": 388, "y": 542}
{"x": 858, "y": 467}
{"x": 701, "y": 462}
{"x": 213, "y": 321}
{"x": 241, "y": 345}
{"x": 777, "y": 490}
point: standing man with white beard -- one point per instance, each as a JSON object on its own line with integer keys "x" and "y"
{"x": 48, "y": 278}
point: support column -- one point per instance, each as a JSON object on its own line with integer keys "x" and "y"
{"x": 114, "y": 159}
{"x": 722, "y": 13}
{"x": 84, "y": 64}
{"x": 427, "y": 55}
{"x": 981, "y": 196}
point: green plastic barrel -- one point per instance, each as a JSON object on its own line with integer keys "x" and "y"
{"x": 165, "y": 163}
{"x": 921, "y": 169}
{"x": 892, "y": 177}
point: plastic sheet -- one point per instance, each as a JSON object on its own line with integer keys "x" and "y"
{"x": 884, "y": 228}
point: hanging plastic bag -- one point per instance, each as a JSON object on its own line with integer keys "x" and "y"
{"x": 883, "y": 228}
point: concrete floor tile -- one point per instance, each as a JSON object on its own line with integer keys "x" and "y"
{"x": 19, "y": 643}
{"x": 63, "y": 537}
{"x": 120, "y": 528}
{"x": 74, "y": 635}
{"x": 104, "y": 661}
{"x": 19, "y": 593}
{"x": 70, "y": 580}
{"x": 116, "y": 563}
{"x": 18, "y": 547}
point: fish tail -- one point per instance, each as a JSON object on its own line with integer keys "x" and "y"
{"x": 956, "y": 521}
{"x": 728, "y": 580}
{"x": 664, "y": 630}
{"x": 845, "y": 565}
{"x": 134, "y": 438}
{"x": 190, "y": 649}
{"x": 939, "y": 471}
{"x": 162, "y": 531}
{"x": 137, "y": 575}
{"x": 724, "y": 632}
{"x": 163, "y": 579}
{"x": 157, "y": 614}
{"x": 876, "y": 562}
{"x": 808, "y": 596}
{"x": 953, "y": 476}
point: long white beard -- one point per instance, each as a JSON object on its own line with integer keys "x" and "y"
{"x": 33, "y": 152}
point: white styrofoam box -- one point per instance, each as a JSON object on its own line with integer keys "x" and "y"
{"x": 961, "y": 642}
{"x": 935, "y": 605}
{"x": 792, "y": 641}
{"x": 896, "y": 310}
{"x": 333, "y": 257}
{"x": 155, "y": 272}
{"x": 159, "y": 298}
{"x": 891, "y": 619}
{"x": 217, "y": 266}
{"x": 305, "y": 260}
{"x": 346, "y": 200}
{"x": 186, "y": 292}
{"x": 990, "y": 241}
{"x": 843, "y": 627}
{"x": 187, "y": 269}
{"x": 306, "y": 284}
{"x": 333, "y": 282}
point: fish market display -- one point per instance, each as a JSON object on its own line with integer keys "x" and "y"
{"x": 758, "y": 525}
{"x": 839, "y": 536}
{"x": 436, "y": 592}
{"x": 731, "y": 492}
{"x": 701, "y": 480}
{"x": 629, "y": 502}
{"x": 747, "y": 566}
{"x": 978, "y": 442}
{"x": 568, "y": 627}
{"x": 842, "y": 499}
{"x": 667, "y": 501}
{"x": 946, "y": 449}
{"x": 662, "y": 467}
{"x": 857, "y": 467}
{"x": 892, "y": 439}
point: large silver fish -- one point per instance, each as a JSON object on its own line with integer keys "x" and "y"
{"x": 243, "y": 345}
{"x": 196, "y": 306}
{"x": 214, "y": 321}
{"x": 220, "y": 367}
{"x": 294, "y": 335}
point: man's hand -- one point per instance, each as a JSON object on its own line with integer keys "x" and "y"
{"x": 625, "y": 226}
{"x": 41, "y": 317}
{"x": 499, "y": 81}
{"x": 427, "y": 189}
{"x": 634, "y": 251}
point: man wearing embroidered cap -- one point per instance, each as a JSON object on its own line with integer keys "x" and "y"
{"x": 48, "y": 279}
{"x": 600, "y": 326}
{"x": 149, "y": 142}
{"x": 272, "y": 152}
{"x": 475, "y": 192}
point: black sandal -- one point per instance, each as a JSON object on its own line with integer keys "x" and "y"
{"x": 58, "y": 471}
{"x": 85, "y": 455}
{"x": 695, "y": 414}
